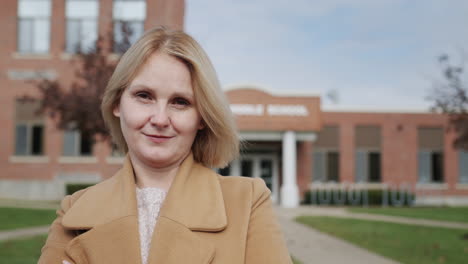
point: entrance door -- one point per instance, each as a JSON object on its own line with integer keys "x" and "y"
{"x": 263, "y": 166}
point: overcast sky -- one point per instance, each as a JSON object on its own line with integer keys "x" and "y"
{"x": 372, "y": 53}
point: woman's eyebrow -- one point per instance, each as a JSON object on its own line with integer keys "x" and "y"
{"x": 138, "y": 86}
{"x": 174, "y": 94}
{"x": 182, "y": 94}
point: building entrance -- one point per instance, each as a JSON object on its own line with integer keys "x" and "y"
{"x": 263, "y": 166}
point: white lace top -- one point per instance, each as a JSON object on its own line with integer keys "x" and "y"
{"x": 149, "y": 202}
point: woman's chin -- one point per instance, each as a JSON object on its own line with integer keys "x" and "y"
{"x": 156, "y": 160}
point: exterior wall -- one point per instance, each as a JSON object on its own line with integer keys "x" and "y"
{"x": 39, "y": 176}
{"x": 310, "y": 121}
{"x": 304, "y": 166}
{"x": 399, "y": 149}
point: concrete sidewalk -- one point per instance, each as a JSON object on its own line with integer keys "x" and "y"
{"x": 23, "y": 232}
{"x": 343, "y": 212}
{"x": 311, "y": 246}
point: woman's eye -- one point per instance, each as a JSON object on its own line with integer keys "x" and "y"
{"x": 143, "y": 95}
{"x": 181, "y": 101}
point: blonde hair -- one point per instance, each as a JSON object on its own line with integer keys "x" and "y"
{"x": 214, "y": 146}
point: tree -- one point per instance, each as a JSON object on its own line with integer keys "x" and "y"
{"x": 77, "y": 106}
{"x": 449, "y": 96}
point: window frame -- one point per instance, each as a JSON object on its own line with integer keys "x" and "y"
{"x": 34, "y": 19}
{"x": 29, "y": 138}
{"x": 430, "y": 166}
{"x": 326, "y": 173}
{"x": 79, "y": 47}
{"x": 77, "y": 149}
{"x": 367, "y": 167}
{"x": 115, "y": 48}
{"x": 462, "y": 175}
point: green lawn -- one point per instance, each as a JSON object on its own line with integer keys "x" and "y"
{"x": 22, "y": 251}
{"x": 404, "y": 243}
{"x": 457, "y": 214}
{"x": 12, "y": 218}
{"x": 28, "y": 250}
{"x": 295, "y": 261}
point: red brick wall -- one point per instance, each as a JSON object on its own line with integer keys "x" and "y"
{"x": 399, "y": 149}
{"x": 159, "y": 12}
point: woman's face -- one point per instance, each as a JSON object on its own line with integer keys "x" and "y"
{"x": 158, "y": 114}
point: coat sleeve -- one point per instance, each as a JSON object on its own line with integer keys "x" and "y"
{"x": 265, "y": 241}
{"x": 57, "y": 240}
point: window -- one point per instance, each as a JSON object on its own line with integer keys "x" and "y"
{"x": 368, "y": 166}
{"x": 29, "y": 129}
{"x": 326, "y": 158}
{"x": 326, "y": 166}
{"x": 226, "y": 171}
{"x": 82, "y": 29}
{"x": 463, "y": 166}
{"x": 76, "y": 144}
{"x": 430, "y": 155}
{"x": 29, "y": 139}
{"x": 115, "y": 152}
{"x": 33, "y": 26}
{"x": 368, "y": 156}
{"x": 129, "y": 17}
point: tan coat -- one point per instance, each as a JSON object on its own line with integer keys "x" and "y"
{"x": 206, "y": 218}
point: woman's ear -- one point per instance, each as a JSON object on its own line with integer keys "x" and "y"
{"x": 116, "y": 111}
{"x": 202, "y": 125}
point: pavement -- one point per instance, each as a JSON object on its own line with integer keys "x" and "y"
{"x": 304, "y": 243}
{"x": 311, "y": 246}
{"x": 23, "y": 232}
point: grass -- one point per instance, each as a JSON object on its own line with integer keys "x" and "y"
{"x": 295, "y": 261}
{"x": 404, "y": 243}
{"x": 28, "y": 250}
{"x": 13, "y": 218}
{"x": 22, "y": 251}
{"x": 456, "y": 214}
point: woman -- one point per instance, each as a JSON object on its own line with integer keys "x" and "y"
{"x": 166, "y": 111}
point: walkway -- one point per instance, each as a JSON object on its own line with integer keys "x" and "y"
{"x": 23, "y": 232}
{"x": 342, "y": 212}
{"x": 311, "y": 246}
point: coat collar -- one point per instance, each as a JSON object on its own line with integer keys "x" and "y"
{"x": 194, "y": 200}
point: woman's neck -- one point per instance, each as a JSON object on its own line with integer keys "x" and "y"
{"x": 147, "y": 176}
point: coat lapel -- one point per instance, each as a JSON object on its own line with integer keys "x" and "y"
{"x": 109, "y": 210}
{"x": 194, "y": 203}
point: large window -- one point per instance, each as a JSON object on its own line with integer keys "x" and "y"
{"x": 76, "y": 143}
{"x": 463, "y": 166}
{"x": 430, "y": 155}
{"x": 326, "y": 157}
{"x": 82, "y": 30}
{"x": 368, "y": 156}
{"x": 368, "y": 166}
{"x": 33, "y": 26}
{"x": 129, "y": 17}
{"x": 326, "y": 166}
{"x": 29, "y": 139}
{"x": 29, "y": 129}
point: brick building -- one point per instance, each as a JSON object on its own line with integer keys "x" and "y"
{"x": 292, "y": 142}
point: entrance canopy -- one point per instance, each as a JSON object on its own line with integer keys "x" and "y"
{"x": 258, "y": 110}
{"x": 263, "y": 116}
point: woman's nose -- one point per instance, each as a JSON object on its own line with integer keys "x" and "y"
{"x": 159, "y": 116}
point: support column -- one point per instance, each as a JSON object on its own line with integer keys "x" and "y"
{"x": 235, "y": 168}
{"x": 289, "y": 190}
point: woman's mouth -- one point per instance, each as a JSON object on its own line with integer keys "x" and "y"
{"x": 158, "y": 138}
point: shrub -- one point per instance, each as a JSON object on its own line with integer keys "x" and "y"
{"x": 358, "y": 197}
{"x": 74, "y": 187}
